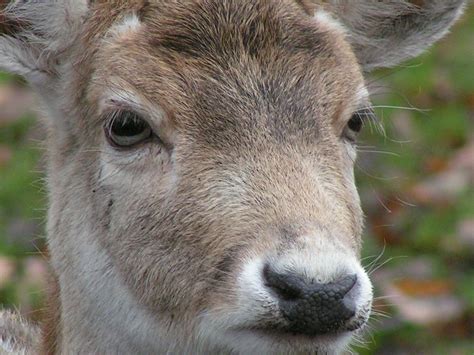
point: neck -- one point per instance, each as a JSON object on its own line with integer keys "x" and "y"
{"x": 91, "y": 311}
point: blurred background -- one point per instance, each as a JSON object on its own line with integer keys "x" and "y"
{"x": 416, "y": 182}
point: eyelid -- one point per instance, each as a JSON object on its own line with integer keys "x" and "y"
{"x": 158, "y": 129}
{"x": 153, "y": 114}
{"x": 366, "y": 113}
{"x": 114, "y": 108}
{"x": 108, "y": 115}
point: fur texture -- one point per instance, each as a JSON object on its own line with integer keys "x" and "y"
{"x": 159, "y": 248}
{"x": 16, "y": 336}
{"x": 385, "y": 33}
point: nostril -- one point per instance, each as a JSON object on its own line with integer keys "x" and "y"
{"x": 310, "y": 307}
{"x": 343, "y": 286}
{"x": 349, "y": 284}
{"x": 285, "y": 286}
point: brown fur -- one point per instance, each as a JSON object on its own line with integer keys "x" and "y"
{"x": 51, "y": 323}
{"x": 251, "y": 100}
{"x": 227, "y": 111}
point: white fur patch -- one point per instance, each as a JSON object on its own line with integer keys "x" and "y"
{"x": 105, "y": 307}
{"x": 323, "y": 259}
{"x": 326, "y": 19}
{"x": 362, "y": 94}
{"x": 127, "y": 27}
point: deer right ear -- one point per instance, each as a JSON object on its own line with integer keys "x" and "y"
{"x": 384, "y": 33}
{"x": 34, "y": 34}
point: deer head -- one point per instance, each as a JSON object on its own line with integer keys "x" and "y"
{"x": 201, "y": 156}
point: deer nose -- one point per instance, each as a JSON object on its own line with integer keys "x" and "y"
{"x": 309, "y": 307}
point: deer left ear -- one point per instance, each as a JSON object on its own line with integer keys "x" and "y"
{"x": 34, "y": 34}
{"x": 385, "y": 33}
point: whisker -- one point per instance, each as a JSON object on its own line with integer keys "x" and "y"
{"x": 378, "y": 298}
{"x": 369, "y": 266}
{"x": 358, "y": 166}
{"x": 402, "y": 108}
{"x": 382, "y": 203}
{"x": 382, "y": 314}
{"x": 383, "y": 152}
{"x": 386, "y": 262}
{"x": 405, "y": 203}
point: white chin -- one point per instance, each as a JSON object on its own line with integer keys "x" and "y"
{"x": 266, "y": 342}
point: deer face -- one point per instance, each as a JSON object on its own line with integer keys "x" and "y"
{"x": 225, "y": 170}
{"x": 210, "y": 155}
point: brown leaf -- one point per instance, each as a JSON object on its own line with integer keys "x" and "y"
{"x": 5, "y": 155}
{"x": 424, "y": 288}
{"x": 469, "y": 101}
{"x": 435, "y": 165}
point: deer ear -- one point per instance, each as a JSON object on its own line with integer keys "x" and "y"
{"x": 34, "y": 34}
{"x": 384, "y": 33}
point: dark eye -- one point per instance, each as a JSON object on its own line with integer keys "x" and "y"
{"x": 127, "y": 129}
{"x": 355, "y": 123}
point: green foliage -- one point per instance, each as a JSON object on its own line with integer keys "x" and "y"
{"x": 442, "y": 82}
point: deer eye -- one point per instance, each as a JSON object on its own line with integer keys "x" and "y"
{"x": 356, "y": 123}
{"x": 126, "y": 129}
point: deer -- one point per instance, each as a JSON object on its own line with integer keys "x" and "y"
{"x": 201, "y": 168}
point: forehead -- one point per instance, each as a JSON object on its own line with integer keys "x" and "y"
{"x": 228, "y": 58}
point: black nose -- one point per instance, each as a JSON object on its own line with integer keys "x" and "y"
{"x": 312, "y": 308}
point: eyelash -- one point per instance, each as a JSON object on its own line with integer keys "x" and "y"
{"x": 126, "y": 129}
{"x": 355, "y": 125}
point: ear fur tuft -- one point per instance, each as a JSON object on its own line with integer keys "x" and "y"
{"x": 41, "y": 32}
{"x": 384, "y": 33}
